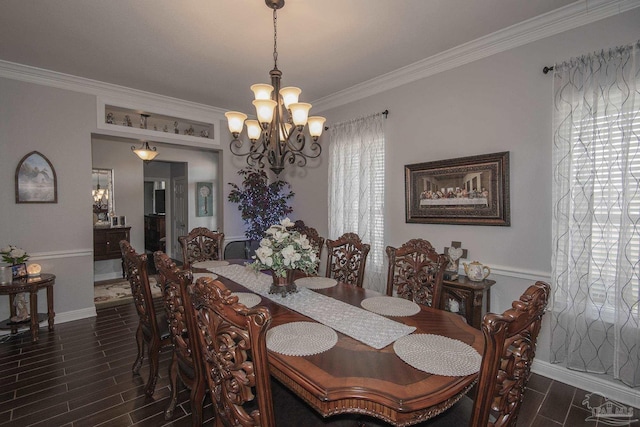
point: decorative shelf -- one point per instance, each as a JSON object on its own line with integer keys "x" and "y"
{"x": 157, "y": 122}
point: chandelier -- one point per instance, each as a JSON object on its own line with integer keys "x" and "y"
{"x": 278, "y": 133}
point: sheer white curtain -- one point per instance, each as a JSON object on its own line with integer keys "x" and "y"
{"x": 596, "y": 214}
{"x": 356, "y": 189}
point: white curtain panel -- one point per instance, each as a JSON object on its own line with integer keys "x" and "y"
{"x": 356, "y": 189}
{"x": 596, "y": 214}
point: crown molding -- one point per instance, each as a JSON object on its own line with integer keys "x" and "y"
{"x": 566, "y": 18}
{"x": 44, "y": 77}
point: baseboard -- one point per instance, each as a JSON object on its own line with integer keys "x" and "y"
{"x": 67, "y": 316}
{"x": 107, "y": 276}
{"x": 611, "y": 389}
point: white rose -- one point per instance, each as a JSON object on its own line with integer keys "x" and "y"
{"x": 6, "y": 250}
{"x": 263, "y": 253}
{"x": 289, "y": 255}
{"x": 303, "y": 241}
{"x": 286, "y": 222}
{"x": 265, "y": 242}
{"x": 312, "y": 257}
{"x": 17, "y": 253}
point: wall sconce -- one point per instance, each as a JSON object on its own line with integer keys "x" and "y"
{"x": 145, "y": 152}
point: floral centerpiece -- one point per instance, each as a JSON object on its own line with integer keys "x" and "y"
{"x": 282, "y": 251}
{"x": 13, "y": 255}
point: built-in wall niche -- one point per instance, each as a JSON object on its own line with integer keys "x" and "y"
{"x": 132, "y": 118}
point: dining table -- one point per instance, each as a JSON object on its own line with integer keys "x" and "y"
{"x": 354, "y": 377}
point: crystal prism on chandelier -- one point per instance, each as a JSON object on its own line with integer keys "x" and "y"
{"x": 278, "y": 138}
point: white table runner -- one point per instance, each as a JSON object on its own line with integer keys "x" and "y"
{"x": 367, "y": 327}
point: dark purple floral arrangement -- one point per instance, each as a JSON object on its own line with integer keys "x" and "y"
{"x": 261, "y": 204}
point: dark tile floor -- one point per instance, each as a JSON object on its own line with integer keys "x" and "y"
{"x": 80, "y": 375}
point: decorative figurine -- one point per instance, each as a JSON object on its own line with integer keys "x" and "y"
{"x": 110, "y": 118}
{"x": 127, "y": 121}
{"x": 175, "y": 128}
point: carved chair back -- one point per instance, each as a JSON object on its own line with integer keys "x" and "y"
{"x": 232, "y": 342}
{"x": 415, "y": 271}
{"x": 152, "y": 328}
{"x": 314, "y": 238}
{"x": 186, "y": 354}
{"x": 201, "y": 244}
{"x": 347, "y": 258}
{"x": 510, "y": 345}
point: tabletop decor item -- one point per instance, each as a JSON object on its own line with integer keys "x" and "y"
{"x": 476, "y": 271}
{"x": 282, "y": 251}
{"x": 14, "y": 255}
{"x": 467, "y": 190}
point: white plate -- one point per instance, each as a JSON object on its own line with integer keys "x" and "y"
{"x": 390, "y": 306}
{"x": 196, "y": 276}
{"x": 248, "y": 299}
{"x": 438, "y": 355}
{"x": 301, "y": 338}
{"x": 209, "y": 264}
{"x": 316, "y": 282}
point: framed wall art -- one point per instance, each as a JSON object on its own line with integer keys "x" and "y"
{"x": 36, "y": 180}
{"x": 204, "y": 198}
{"x": 468, "y": 190}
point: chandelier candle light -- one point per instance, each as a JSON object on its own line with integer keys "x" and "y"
{"x": 273, "y": 136}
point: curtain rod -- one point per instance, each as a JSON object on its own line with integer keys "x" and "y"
{"x": 385, "y": 113}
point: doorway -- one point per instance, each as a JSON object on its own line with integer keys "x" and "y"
{"x": 163, "y": 211}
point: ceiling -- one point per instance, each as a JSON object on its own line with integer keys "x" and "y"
{"x": 211, "y": 51}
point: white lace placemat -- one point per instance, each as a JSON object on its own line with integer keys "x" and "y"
{"x": 248, "y": 299}
{"x": 316, "y": 282}
{"x": 367, "y": 327}
{"x": 196, "y": 276}
{"x": 390, "y": 306}
{"x": 209, "y": 264}
{"x": 438, "y": 355}
{"x": 301, "y": 338}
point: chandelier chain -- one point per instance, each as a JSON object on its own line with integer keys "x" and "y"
{"x": 275, "y": 39}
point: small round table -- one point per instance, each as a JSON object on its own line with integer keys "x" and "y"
{"x": 30, "y": 285}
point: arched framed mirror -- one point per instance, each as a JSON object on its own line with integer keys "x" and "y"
{"x": 102, "y": 195}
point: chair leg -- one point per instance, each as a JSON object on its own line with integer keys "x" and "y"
{"x": 154, "y": 350}
{"x": 140, "y": 342}
{"x": 173, "y": 381}
{"x": 197, "y": 399}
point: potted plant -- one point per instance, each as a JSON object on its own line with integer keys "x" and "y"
{"x": 261, "y": 203}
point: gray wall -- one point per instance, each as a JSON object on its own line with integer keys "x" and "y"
{"x": 500, "y": 103}
{"x": 58, "y": 124}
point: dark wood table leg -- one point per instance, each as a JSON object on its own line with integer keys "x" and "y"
{"x": 50, "y": 313}
{"x": 33, "y": 299}
{"x": 12, "y": 312}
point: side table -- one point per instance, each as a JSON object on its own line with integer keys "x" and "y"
{"x": 30, "y": 285}
{"x": 473, "y": 298}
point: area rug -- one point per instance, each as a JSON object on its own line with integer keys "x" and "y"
{"x": 110, "y": 293}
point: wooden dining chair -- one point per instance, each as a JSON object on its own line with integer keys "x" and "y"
{"x": 152, "y": 328}
{"x": 510, "y": 346}
{"x": 415, "y": 272}
{"x": 347, "y": 258}
{"x": 186, "y": 353}
{"x": 201, "y": 244}
{"x": 232, "y": 341}
{"x": 314, "y": 238}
